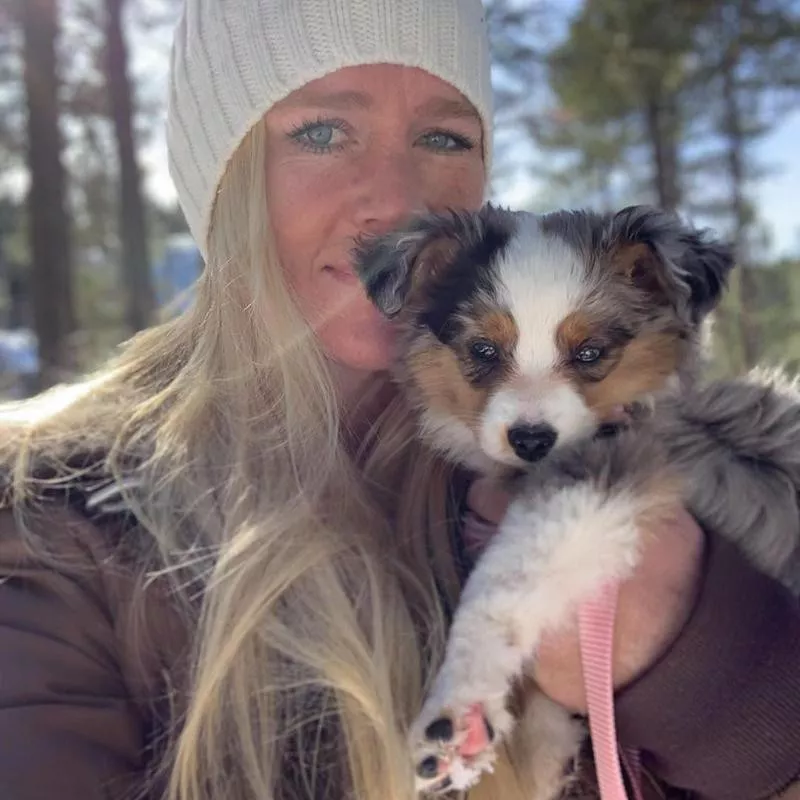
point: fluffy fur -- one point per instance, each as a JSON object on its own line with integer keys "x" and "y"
{"x": 523, "y": 338}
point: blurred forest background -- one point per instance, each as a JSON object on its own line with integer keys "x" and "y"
{"x": 690, "y": 104}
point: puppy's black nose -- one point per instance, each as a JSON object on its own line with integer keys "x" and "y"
{"x": 532, "y": 442}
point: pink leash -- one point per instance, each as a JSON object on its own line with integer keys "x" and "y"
{"x": 596, "y": 633}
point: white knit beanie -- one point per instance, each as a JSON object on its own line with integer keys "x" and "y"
{"x": 233, "y": 59}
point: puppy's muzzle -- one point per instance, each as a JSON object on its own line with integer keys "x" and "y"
{"x": 531, "y": 442}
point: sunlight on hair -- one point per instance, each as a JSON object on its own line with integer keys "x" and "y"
{"x": 48, "y": 404}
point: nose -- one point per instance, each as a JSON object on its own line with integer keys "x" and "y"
{"x": 532, "y": 442}
{"x": 391, "y": 192}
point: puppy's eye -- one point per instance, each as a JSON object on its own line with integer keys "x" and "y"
{"x": 483, "y": 350}
{"x": 588, "y": 354}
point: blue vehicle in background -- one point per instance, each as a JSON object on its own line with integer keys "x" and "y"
{"x": 19, "y": 362}
{"x": 174, "y": 275}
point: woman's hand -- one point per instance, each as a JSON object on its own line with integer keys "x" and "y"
{"x": 654, "y": 604}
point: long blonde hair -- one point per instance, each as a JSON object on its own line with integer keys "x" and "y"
{"x": 311, "y": 576}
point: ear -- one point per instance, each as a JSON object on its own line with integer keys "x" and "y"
{"x": 673, "y": 262}
{"x": 396, "y": 266}
{"x": 706, "y": 267}
{"x": 390, "y": 265}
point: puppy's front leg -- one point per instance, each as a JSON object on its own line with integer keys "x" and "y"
{"x": 551, "y": 553}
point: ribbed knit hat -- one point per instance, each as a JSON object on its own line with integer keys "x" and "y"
{"x": 234, "y": 59}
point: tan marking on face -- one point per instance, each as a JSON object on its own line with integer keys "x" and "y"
{"x": 438, "y": 377}
{"x": 574, "y": 329}
{"x": 499, "y": 327}
{"x": 645, "y": 365}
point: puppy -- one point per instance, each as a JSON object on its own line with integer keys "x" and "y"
{"x": 561, "y": 354}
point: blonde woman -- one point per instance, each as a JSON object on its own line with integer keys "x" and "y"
{"x": 226, "y": 563}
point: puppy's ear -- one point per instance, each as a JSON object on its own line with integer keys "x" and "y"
{"x": 390, "y": 266}
{"x": 673, "y": 262}
{"x": 706, "y": 267}
{"x": 396, "y": 266}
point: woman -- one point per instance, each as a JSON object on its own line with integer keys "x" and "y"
{"x": 227, "y": 564}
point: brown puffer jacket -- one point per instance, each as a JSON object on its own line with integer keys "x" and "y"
{"x": 85, "y": 656}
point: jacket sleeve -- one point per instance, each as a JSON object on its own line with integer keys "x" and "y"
{"x": 720, "y": 713}
{"x": 68, "y": 728}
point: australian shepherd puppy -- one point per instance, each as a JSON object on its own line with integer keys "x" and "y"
{"x": 560, "y": 353}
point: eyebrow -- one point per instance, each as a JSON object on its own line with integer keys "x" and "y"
{"x": 448, "y": 108}
{"x": 341, "y": 101}
{"x": 437, "y": 107}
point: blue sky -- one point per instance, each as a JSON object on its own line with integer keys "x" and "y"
{"x": 779, "y": 194}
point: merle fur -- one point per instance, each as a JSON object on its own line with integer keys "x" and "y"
{"x": 736, "y": 442}
{"x": 693, "y": 265}
{"x": 388, "y": 264}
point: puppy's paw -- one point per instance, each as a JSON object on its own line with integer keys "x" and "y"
{"x": 453, "y": 750}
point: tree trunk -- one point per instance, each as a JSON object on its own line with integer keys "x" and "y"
{"x": 661, "y": 122}
{"x": 139, "y": 301}
{"x": 51, "y": 269}
{"x": 735, "y": 157}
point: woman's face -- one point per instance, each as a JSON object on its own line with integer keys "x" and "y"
{"x": 357, "y": 152}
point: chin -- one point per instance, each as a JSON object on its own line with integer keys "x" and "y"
{"x": 361, "y": 340}
{"x": 365, "y": 352}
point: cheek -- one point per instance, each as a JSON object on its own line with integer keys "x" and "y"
{"x": 437, "y": 377}
{"x": 646, "y": 366}
{"x": 305, "y": 197}
{"x": 455, "y": 185}
{"x": 300, "y": 198}
{"x": 349, "y": 328}
{"x": 304, "y": 211}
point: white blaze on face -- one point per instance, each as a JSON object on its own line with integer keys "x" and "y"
{"x": 542, "y": 283}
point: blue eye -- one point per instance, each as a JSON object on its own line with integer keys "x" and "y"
{"x": 444, "y": 141}
{"x": 485, "y": 351}
{"x": 320, "y": 136}
{"x": 588, "y": 355}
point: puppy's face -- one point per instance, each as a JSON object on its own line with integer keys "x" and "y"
{"x": 522, "y": 333}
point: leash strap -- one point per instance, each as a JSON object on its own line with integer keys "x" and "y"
{"x": 596, "y": 634}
